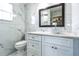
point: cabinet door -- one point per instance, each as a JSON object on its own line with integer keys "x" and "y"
{"x": 48, "y": 51}
{"x": 56, "y": 50}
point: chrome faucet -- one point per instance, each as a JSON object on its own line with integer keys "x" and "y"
{"x": 56, "y": 31}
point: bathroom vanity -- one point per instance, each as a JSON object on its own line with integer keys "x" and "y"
{"x": 49, "y": 44}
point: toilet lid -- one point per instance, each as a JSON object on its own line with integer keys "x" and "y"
{"x": 21, "y": 42}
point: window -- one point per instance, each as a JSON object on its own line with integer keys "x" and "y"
{"x": 6, "y": 12}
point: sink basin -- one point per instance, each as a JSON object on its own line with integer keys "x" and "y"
{"x": 50, "y": 32}
{"x": 61, "y": 33}
{"x": 66, "y": 33}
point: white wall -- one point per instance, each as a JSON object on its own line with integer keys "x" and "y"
{"x": 9, "y": 31}
{"x": 75, "y": 17}
{"x": 32, "y": 9}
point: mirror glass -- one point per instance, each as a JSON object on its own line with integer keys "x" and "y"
{"x": 52, "y": 16}
{"x": 45, "y": 17}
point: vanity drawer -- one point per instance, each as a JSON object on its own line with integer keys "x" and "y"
{"x": 34, "y": 37}
{"x": 34, "y": 45}
{"x": 60, "y": 41}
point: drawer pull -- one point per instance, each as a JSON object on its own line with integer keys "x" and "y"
{"x": 55, "y": 48}
{"x": 52, "y": 46}
{"x": 32, "y": 45}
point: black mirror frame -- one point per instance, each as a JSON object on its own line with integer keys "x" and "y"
{"x": 63, "y": 15}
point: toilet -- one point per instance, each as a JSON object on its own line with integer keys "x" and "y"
{"x": 20, "y": 46}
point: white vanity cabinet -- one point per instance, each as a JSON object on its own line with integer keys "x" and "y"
{"x": 34, "y": 45}
{"x": 47, "y": 45}
{"x": 56, "y": 46}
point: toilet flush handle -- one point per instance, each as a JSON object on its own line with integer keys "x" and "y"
{"x": 1, "y": 45}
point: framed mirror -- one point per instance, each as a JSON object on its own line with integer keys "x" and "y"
{"x": 52, "y": 16}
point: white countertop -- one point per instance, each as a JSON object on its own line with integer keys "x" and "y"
{"x": 69, "y": 35}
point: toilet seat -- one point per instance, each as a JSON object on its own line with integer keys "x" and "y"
{"x": 20, "y": 43}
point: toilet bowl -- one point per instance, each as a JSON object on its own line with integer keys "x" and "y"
{"x": 20, "y": 46}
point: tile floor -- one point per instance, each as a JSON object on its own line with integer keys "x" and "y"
{"x": 20, "y": 54}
